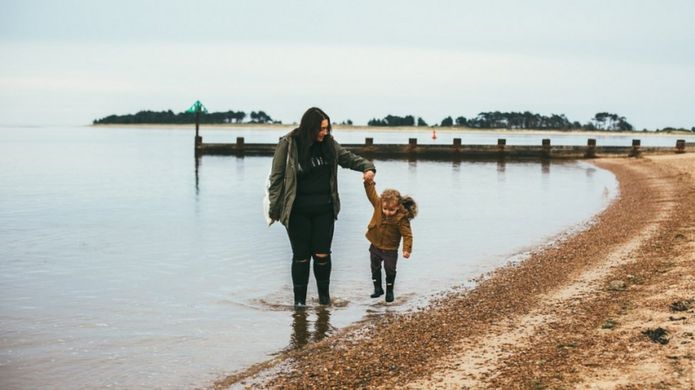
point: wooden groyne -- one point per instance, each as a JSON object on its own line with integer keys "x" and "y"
{"x": 458, "y": 151}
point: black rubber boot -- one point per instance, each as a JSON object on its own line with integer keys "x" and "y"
{"x": 300, "y": 280}
{"x": 390, "y": 279}
{"x": 378, "y": 290}
{"x": 322, "y": 273}
{"x": 300, "y": 295}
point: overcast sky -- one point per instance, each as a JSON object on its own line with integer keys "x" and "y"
{"x": 70, "y": 61}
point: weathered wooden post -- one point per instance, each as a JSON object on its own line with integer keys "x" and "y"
{"x": 680, "y": 146}
{"x": 412, "y": 145}
{"x": 240, "y": 145}
{"x": 590, "y": 148}
{"x": 635, "y": 152}
{"x": 546, "y": 147}
{"x": 457, "y": 145}
{"x": 501, "y": 145}
{"x": 369, "y": 141}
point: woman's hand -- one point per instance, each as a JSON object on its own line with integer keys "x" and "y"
{"x": 406, "y": 254}
{"x": 368, "y": 176}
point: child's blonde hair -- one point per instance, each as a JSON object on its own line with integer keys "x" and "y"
{"x": 391, "y": 196}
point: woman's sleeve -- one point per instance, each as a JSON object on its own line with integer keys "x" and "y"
{"x": 347, "y": 159}
{"x": 276, "y": 179}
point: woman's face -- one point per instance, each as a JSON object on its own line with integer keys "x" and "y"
{"x": 322, "y": 131}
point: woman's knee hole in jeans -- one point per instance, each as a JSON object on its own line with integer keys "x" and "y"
{"x": 322, "y": 259}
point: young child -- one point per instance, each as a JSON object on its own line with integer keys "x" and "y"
{"x": 390, "y": 221}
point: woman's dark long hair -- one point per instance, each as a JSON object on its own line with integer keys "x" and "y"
{"x": 305, "y": 135}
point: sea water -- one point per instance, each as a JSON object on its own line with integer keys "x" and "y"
{"x": 125, "y": 262}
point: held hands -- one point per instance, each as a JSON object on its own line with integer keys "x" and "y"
{"x": 368, "y": 176}
{"x": 406, "y": 254}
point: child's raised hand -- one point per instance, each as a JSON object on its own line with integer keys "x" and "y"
{"x": 406, "y": 254}
{"x": 368, "y": 176}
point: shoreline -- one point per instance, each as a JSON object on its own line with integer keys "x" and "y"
{"x": 396, "y": 129}
{"x": 570, "y": 314}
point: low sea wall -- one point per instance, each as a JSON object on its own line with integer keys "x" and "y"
{"x": 458, "y": 151}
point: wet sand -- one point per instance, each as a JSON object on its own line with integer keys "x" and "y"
{"x": 612, "y": 306}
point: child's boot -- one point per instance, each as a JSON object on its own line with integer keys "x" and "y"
{"x": 378, "y": 290}
{"x": 390, "y": 279}
{"x": 300, "y": 279}
{"x": 322, "y": 273}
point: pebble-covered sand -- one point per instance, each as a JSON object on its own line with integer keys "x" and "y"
{"x": 610, "y": 307}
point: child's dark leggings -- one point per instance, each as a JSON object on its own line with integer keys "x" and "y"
{"x": 388, "y": 257}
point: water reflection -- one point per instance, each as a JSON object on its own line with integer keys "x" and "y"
{"x": 197, "y": 165}
{"x": 412, "y": 165}
{"x": 501, "y": 165}
{"x": 301, "y": 335}
{"x": 240, "y": 165}
{"x": 322, "y": 326}
{"x": 501, "y": 170}
{"x": 545, "y": 166}
{"x": 300, "y": 329}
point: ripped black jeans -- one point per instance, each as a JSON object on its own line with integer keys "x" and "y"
{"x": 311, "y": 232}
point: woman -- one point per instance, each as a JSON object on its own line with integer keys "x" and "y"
{"x": 303, "y": 196}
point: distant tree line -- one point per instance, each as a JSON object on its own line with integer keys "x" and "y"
{"x": 394, "y": 120}
{"x": 515, "y": 120}
{"x": 608, "y": 121}
{"x": 169, "y": 117}
{"x": 529, "y": 120}
{"x": 484, "y": 120}
{"x": 674, "y": 129}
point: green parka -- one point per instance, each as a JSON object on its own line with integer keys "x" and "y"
{"x": 282, "y": 186}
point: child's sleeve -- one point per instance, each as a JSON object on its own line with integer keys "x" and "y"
{"x": 370, "y": 188}
{"x": 407, "y": 234}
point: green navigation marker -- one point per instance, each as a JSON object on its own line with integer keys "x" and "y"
{"x": 197, "y": 107}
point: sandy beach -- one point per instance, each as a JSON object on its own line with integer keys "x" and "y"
{"x": 612, "y": 306}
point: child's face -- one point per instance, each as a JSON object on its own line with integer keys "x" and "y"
{"x": 389, "y": 209}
